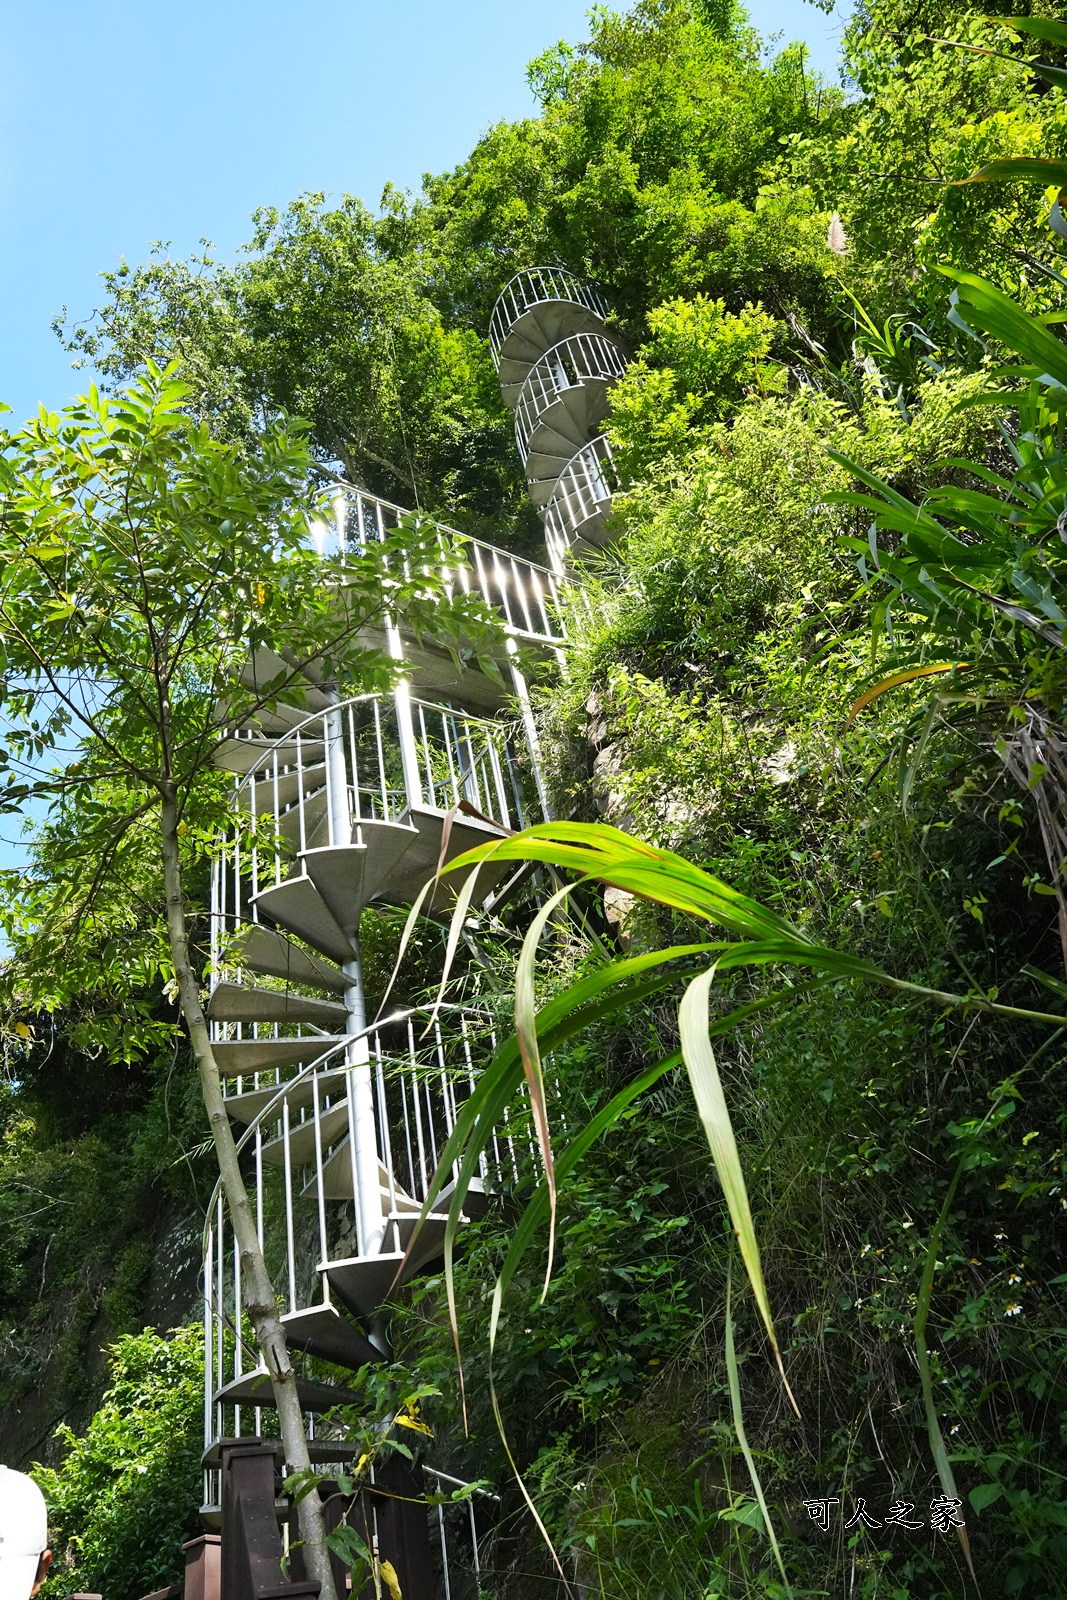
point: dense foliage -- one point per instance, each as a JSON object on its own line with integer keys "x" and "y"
{"x": 782, "y": 366}
{"x": 126, "y": 1495}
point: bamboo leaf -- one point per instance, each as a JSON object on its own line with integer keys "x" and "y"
{"x": 897, "y": 678}
{"x": 708, "y": 1093}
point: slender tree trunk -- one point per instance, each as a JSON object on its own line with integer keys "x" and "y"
{"x": 259, "y": 1297}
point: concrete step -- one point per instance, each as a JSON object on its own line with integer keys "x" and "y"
{"x": 264, "y": 753}
{"x": 238, "y": 1002}
{"x": 255, "y": 1389}
{"x": 420, "y": 862}
{"x": 264, "y": 667}
{"x": 333, "y": 1125}
{"x": 348, "y": 877}
{"x": 431, "y": 1240}
{"x": 535, "y": 332}
{"x": 246, "y": 1107}
{"x": 363, "y": 1283}
{"x": 318, "y": 1450}
{"x": 238, "y": 1058}
{"x": 269, "y": 793}
{"x": 296, "y": 906}
{"x": 316, "y": 827}
{"x": 263, "y": 950}
{"x": 555, "y": 438}
{"x": 280, "y": 718}
{"x": 475, "y": 1201}
{"x": 337, "y": 1181}
{"x": 324, "y": 1331}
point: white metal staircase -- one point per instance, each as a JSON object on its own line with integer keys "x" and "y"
{"x": 343, "y": 803}
{"x": 557, "y": 360}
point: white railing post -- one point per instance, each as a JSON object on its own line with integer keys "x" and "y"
{"x": 522, "y": 695}
{"x": 405, "y": 727}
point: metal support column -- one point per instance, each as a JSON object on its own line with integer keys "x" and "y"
{"x": 357, "y": 1055}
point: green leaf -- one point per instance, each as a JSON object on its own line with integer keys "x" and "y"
{"x": 710, "y": 1100}
{"x": 985, "y": 1494}
{"x": 1039, "y": 27}
{"x": 1000, "y": 317}
{"x": 734, "y": 1380}
{"x": 1019, "y": 169}
{"x": 748, "y": 1515}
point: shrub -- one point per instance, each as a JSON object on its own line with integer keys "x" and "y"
{"x": 123, "y": 1501}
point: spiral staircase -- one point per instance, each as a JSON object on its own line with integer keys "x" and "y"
{"x": 557, "y": 361}
{"x": 344, "y": 803}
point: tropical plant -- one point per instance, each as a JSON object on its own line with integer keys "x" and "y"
{"x": 601, "y": 855}
{"x": 971, "y": 588}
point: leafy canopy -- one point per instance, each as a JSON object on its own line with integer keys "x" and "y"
{"x": 143, "y": 563}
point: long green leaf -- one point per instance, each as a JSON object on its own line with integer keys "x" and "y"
{"x": 1039, "y": 27}
{"x": 708, "y": 1093}
{"x": 526, "y": 1033}
{"x": 1000, "y": 317}
{"x": 922, "y": 1312}
{"x": 597, "y": 851}
{"x": 734, "y": 1380}
{"x": 1016, "y": 169}
{"x": 536, "y": 1211}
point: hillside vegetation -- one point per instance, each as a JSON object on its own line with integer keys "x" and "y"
{"x": 771, "y": 246}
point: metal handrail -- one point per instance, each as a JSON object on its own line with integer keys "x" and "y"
{"x": 265, "y": 1117}
{"x": 539, "y": 286}
{"x": 574, "y": 361}
{"x": 340, "y": 770}
{"x": 420, "y": 1113}
{"x": 530, "y": 598}
{"x": 583, "y": 489}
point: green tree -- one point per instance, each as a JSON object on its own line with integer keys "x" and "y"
{"x": 319, "y": 321}
{"x": 929, "y": 114}
{"x": 142, "y": 562}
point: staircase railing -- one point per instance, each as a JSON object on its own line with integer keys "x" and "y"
{"x": 574, "y": 362}
{"x": 300, "y": 1152}
{"x": 581, "y": 498}
{"x": 537, "y": 286}
{"x": 371, "y": 758}
{"x": 531, "y": 601}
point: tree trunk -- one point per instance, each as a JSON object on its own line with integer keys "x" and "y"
{"x": 259, "y": 1300}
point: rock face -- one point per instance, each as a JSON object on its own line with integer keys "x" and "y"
{"x": 78, "y": 1329}
{"x": 618, "y": 912}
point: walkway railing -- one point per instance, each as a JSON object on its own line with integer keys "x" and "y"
{"x": 372, "y": 758}
{"x": 582, "y": 494}
{"x": 299, "y": 1152}
{"x": 539, "y": 286}
{"x": 531, "y": 601}
{"x": 571, "y": 364}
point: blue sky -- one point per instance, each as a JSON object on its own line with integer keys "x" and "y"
{"x": 126, "y": 121}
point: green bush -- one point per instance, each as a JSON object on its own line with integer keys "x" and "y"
{"x": 124, "y": 1499}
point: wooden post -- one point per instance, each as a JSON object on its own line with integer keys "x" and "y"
{"x": 251, "y": 1550}
{"x": 203, "y": 1567}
